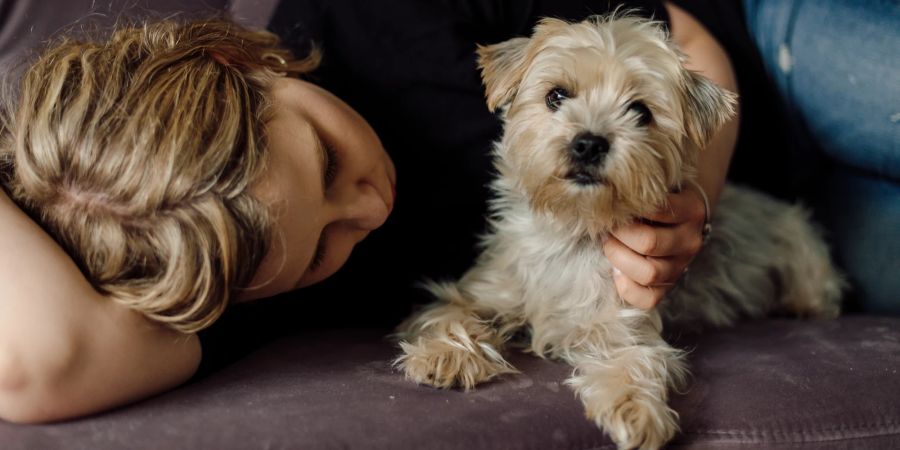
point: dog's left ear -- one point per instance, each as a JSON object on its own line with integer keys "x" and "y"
{"x": 708, "y": 107}
{"x": 502, "y": 68}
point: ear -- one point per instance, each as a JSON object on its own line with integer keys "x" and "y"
{"x": 708, "y": 107}
{"x": 502, "y": 68}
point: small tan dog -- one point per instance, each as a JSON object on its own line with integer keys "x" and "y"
{"x": 602, "y": 121}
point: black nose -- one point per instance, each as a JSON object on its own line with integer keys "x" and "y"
{"x": 589, "y": 149}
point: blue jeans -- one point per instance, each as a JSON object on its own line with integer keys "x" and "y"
{"x": 837, "y": 65}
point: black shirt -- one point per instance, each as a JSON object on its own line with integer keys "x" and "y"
{"x": 408, "y": 66}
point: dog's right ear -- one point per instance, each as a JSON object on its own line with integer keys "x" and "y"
{"x": 708, "y": 107}
{"x": 502, "y": 68}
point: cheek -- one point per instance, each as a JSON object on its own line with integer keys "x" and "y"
{"x": 642, "y": 168}
{"x": 536, "y": 144}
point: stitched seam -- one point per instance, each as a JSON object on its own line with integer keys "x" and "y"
{"x": 799, "y": 436}
{"x": 839, "y": 428}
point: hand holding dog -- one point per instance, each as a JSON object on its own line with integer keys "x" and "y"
{"x": 651, "y": 254}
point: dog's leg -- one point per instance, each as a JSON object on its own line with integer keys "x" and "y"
{"x": 624, "y": 384}
{"x": 452, "y": 343}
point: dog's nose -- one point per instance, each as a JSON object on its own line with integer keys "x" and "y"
{"x": 589, "y": 149}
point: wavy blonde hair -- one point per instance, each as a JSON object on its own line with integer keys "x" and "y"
{"x": 137, "y": 153}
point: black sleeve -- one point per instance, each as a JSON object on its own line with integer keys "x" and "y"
{"x": 509, "y": 18}
{"x": 300, "y": 22}
{"x": 408, "y": 67}
{"x": 764, "y": 134}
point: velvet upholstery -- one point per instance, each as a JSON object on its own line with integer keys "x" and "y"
{"x": 774, "y": 384}
{"x": 771, "y": 384}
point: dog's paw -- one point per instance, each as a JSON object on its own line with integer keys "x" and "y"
{"x": 636, "y": 422}
{"x": 451, "y": 362}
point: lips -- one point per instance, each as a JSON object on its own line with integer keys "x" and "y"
{"x": 583, "y": 178}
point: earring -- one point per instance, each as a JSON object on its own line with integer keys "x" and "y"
{"x": 278, "y": 59}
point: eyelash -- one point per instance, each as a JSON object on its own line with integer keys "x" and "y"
{"x": 318, "y": 257}
{"x": 331, "y": 164}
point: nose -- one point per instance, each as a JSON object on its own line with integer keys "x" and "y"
{"x": 588, "y": 149}
{"x": 361, "y": 206}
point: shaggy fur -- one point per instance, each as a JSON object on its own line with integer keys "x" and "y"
{"x": 542, "y": 268}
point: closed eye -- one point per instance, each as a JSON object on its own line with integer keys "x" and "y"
{"x": 330, "y": 168}
{"x": 319, "y": 255}
{"x": 331, "y": 163}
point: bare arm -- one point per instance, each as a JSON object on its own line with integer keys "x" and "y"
{"x": 650, "y": 257}
{"x": 709, "y": 59}
{"x": 65, "y": 350}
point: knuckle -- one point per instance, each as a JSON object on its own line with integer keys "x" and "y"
{"x": 652, "y": 274}
{"x": 648, "y": 243}
{"x": 637, "y": 299}
{"x": 630, "y": 293}
{"x": 698, "y": 210}
{"x": 611, "y": 251}
{"x": 694, "y": 244}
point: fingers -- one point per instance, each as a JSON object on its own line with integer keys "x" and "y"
{"x": 644, "y": 270}
{"x": 643, "y": 297}
{"x": 649, "y": 256}
{"x": 686, "y": 206}
{"x": 661, "y": 241}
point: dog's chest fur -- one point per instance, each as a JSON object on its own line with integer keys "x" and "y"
{"x": 549, "y": 277}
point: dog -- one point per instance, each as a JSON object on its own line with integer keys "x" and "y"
{"x": 601, "y": 122}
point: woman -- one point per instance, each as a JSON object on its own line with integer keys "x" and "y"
{"x": 239, "y": 182}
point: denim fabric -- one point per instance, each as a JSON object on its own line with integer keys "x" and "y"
{"x": 837, "y": 65}
{"x": 862, "y": 214}
{"x": 837, "y": 62}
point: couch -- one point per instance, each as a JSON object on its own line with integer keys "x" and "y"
{"x": 776, "y": 383}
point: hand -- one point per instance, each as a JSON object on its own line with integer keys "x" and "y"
{"x": 649, "y": 255}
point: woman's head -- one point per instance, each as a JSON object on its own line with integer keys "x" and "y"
{"x": 329, "y": 183}
{"x": 147, "y": 156}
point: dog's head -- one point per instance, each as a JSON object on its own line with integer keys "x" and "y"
{"x": 601, "y": 118}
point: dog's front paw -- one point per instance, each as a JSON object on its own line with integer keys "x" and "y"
{"x": 635, "y": 421}
{"x": 451, "y": 361}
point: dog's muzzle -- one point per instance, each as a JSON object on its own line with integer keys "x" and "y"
{"x": 587, "y": 153}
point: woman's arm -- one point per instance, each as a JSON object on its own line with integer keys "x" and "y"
{"x": 65, "y": 350}
{"x": 650, "y": 257}
{"x": 708, "y": 58}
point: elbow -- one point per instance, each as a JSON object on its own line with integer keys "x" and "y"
{"x": 25, "y": 397}
{"x": 14, "y": 389}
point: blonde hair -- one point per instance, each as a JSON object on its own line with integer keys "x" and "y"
{"x": 137, "y": 153}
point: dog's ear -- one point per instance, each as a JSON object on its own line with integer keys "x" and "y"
{"x": 503, "y": 65}
{"x": 502, "y": 68}
{"x": 708, "y": 107}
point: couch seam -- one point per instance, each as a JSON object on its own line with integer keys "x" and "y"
{"x": 805, "y": 435}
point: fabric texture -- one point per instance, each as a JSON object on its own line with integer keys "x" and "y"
{"x": 837, "y": 67}
{"x": 25, "y": 25}
{"x": 772, "y": 384}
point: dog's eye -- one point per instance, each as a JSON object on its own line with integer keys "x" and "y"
{"x": 644, "y": 116}
{"x": 555, "y": 98}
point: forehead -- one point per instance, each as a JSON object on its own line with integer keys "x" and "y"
{"x": 612, "y": 53}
